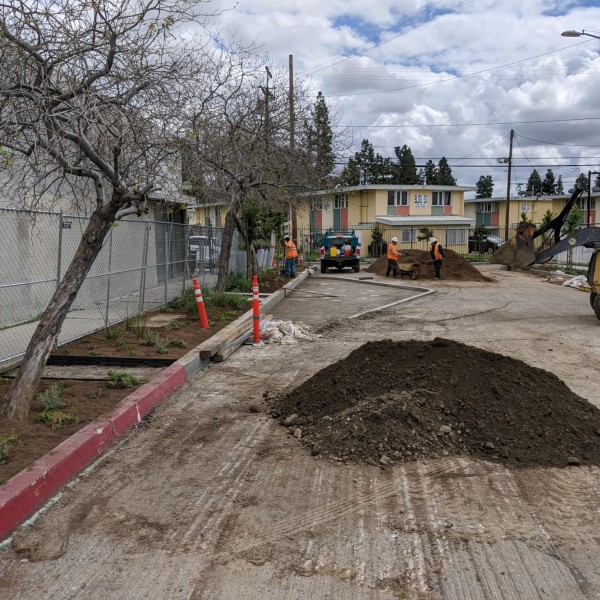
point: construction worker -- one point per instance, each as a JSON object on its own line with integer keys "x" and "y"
{"x": 290, "y": 257}
{"x": 437, "y": 253}
{"x": 392, "y": 258}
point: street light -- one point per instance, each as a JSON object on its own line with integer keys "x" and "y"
{"x": 573, "y": 33}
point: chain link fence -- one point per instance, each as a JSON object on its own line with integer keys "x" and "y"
{"x": 142, "y": 265}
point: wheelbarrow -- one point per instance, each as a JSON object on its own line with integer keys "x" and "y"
{"x": 410, "y": 270}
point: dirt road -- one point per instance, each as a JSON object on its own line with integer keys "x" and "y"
{"x": 212, "y": 499}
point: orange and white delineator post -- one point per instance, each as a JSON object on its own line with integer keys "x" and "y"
{"x": 256, "y": 312}
{"x": 200, "y": 304}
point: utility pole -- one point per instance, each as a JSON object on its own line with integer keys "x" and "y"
{"x": 294, "y": 214}
{"x": 589, "y": 197}
{"x": 506, "y": 220}
{"x": 267, "y": 93}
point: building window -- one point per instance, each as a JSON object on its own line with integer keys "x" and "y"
{"x": 397, "y": 198}
{"x": 456, "y": 236}
{"x": 340, "y": 201}
{"x": 486, "y": 207}
{"x": 582, "y": 203}
{"x": 441, "y": 198}
{"x": 408, "y": 236}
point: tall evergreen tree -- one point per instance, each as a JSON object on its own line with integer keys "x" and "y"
{"x": 534, "y": 184}
{"x": 484, "y": 187}
{"x": 559, "y": 185}
{"x": 429, "y": 173}
{"x": 322, "y": 138}
{"x": 549, "y": 185}
{"x": 405, "y": 170}
{"x": 597, "y": 180}
{"x": 350, "y": 174}
{"x": 365, "y": 160}
{"x": 444, "y": 173}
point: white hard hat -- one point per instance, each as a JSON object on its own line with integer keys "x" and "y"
{"x": 431, "y": 240}
{"x": 394, "y": 239}
{"x": 286, "y": 237}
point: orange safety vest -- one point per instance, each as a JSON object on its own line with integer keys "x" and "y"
{"x": 436, "y": 251}
{"x": 290, "y": 249}
{"x": 392, "y": 252}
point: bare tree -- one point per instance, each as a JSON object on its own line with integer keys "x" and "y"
{"x": 92, "y": 96}
{"x": 240, "y": 151}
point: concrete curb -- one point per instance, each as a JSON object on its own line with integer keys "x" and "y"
{"x": 26, "y": 492}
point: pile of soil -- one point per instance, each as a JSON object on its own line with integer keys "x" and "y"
{"x": 454, "y": 266}
{"x": 416, "y": 399}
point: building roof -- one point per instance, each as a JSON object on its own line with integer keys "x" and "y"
{"x": 425, "y": 220}
{"x": 390, "y": 187}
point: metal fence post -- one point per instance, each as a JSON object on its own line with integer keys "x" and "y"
{"x": 143, "y": 269}
{"x": 168, "y": 236}
{"x": 110, "y": 243}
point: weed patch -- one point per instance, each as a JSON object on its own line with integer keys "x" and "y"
{"x": 121, "y": 380}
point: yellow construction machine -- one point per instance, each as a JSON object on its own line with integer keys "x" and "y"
{"x": 521, "y": 251}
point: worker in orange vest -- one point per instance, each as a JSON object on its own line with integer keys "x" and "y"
{"x": 392, "y": 258}
{"x": 437, "y": 253}
{"x": 290, "y": 257}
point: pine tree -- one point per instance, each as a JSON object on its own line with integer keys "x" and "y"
{"x": 597, "y": 180}
{"x": 444, "y": 173}
{"x": 350, "y": 174}
{"x": 534, "y": 183}
{"x": 406, "y": 168}
{"x": 559, "y": 185}
{"x": 549, "y": 185}
{"x": 484, "y": 187}
{"x": 429, "y": 173}
{"x": 365, "y": 159}
{"x": 322, "y": 139}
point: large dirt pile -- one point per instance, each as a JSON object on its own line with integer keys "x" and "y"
{"x": 454, "y": 267}
{"x": 399, "y": 401}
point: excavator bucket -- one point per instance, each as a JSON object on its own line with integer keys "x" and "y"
{"x": 518, "y": 252}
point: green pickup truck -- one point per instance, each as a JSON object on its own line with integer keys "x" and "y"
{"x": 340, "y": 250}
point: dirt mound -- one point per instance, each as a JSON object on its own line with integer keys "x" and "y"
{"x": 401, "y": 401}
{"x": 454, "y": 267}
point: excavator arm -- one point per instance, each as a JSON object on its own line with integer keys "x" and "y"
{"x": 519, "y": 252}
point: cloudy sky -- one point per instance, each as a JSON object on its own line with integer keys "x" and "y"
{"x": 449, "y": 77}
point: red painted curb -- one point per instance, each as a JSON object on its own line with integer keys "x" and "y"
{"x": 24, "y": 493}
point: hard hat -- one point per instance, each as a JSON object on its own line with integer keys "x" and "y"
{"x": 431, "y": 240}
{"x": 286, "y": 237}
{"x": 394, "y": 239}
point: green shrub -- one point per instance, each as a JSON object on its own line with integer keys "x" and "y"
{"x": 178, "y": 343}
{"x": 51, "y": 399}
{"x": 112, "y": 333}
{"x": 120, "y": 380}
{"x": 161, "y": 345}
{"x": 57, "y": 419}
{"x": 6, "y": 443}
{"x": 238, "y": 282}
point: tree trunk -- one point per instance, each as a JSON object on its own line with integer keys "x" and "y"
{"x": 40, "y": 346}
{"x": 226, "y": 242}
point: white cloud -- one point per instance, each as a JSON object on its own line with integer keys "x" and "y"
{"x": 428, "y": 52}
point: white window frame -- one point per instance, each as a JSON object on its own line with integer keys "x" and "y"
{"x": 397, "y": 198}
{"x": 456, "y": 236}
{"x": 340, "y": 201}
{"x": 408, "y": 236}
{"x": 441, "y": 198}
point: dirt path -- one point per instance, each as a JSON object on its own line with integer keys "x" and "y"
{"x": 213, "y": 499}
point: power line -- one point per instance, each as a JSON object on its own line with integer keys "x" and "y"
{"x": 420, "y": 125}
{"x": 516, "y": 62}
